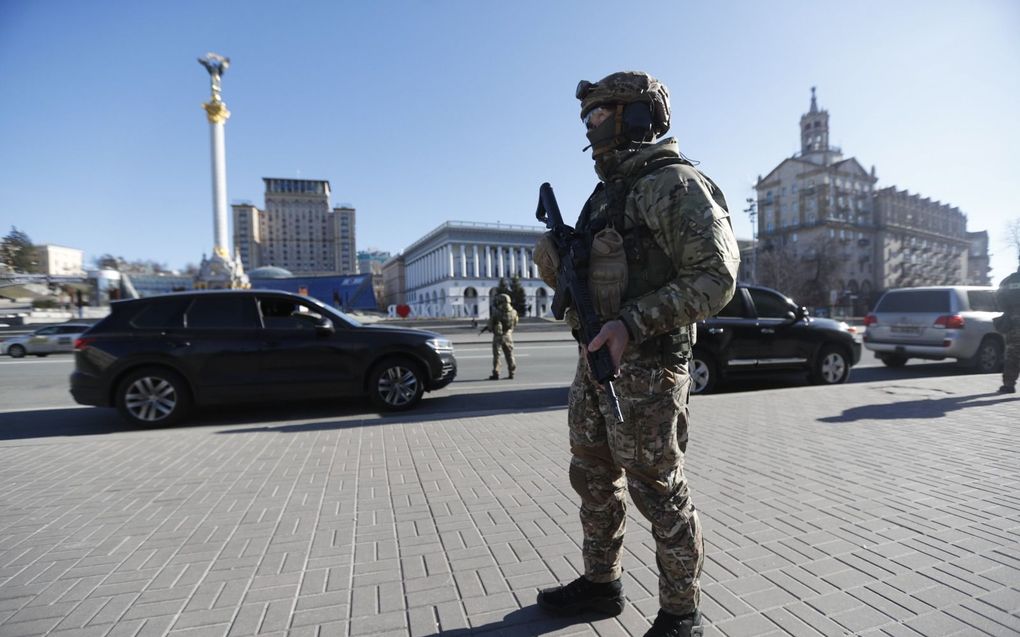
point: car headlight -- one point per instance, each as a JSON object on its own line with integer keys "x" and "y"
{"x": 440, "y": 344}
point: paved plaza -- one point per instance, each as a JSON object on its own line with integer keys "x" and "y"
{"x": 887, "y": 508}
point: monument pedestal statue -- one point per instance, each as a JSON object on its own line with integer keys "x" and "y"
{"x": 219, "y": 271}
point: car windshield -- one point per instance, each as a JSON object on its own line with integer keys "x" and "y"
{"x": 350, "y": 320}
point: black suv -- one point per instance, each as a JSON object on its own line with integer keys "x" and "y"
{"x": 762, "y": 330}
{"x": 153, "y": 358}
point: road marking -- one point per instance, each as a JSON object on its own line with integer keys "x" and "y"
{"x": 485, "y": 386}
{"x": 32, "y": 362}
{"x": 516, "y": 355}
{"x": 457, "y": 350}
{"x": 44, "y": 408}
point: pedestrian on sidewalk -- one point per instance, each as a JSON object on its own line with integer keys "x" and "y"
{"x": 502, "y": 322}
{"x": 1008, "y": 296}
{"x": 664, "y": 257}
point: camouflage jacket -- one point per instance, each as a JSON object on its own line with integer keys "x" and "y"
{"x": 686, "y": 216}
{"x": 503, "y": 322}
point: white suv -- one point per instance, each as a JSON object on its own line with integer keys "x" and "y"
{"x": 936, "y": 323}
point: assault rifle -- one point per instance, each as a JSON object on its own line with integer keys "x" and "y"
{"x": 572, "y": 290}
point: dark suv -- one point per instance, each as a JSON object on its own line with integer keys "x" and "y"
{"x": 153, "y": 358}
{"x": 761, "y": 330}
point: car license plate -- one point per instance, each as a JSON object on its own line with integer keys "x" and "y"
{"x": 905, "y": 329}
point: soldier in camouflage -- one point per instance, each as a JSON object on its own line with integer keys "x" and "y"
{"x": 502, "y": 322}
{"x": 1008, "y": 296}
{"x": 679, "y": 263}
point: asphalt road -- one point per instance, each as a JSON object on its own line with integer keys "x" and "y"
{"x": 34, "y": 400}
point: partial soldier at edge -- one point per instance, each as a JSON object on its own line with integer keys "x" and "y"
{"x": 1008, "y": 296}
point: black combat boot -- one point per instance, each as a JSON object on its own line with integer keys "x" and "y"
{"x": 495, "y": 376}
{"x": 670, "y": 625}
{"x": 511, "y": 375}
{"x": 1007, "y": 389}
{"x": 583, "y": 595}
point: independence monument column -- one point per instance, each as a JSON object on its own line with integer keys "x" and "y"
{"x": 219, "y": 271}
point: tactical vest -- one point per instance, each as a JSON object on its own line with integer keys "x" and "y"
{"x": 648, "y": 266}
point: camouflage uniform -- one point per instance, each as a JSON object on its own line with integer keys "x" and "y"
{"x": 1009, "y": 300}
{"x": 682, "y": 262}
{"x": 502, "y": 323}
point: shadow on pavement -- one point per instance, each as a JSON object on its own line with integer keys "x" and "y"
{"x": 59, "y": 422}
{"x": 97, "y": 421}
{"x": 922, "y": 408}
{"x": 754, "y": 381}
{"x": 530, "y": 620}
{"x": 438, "y": 408}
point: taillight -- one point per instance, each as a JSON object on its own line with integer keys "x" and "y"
{"x": 870, "y": 320}
{"x": 950, "y": 321}
{"x": 82, "y": 343}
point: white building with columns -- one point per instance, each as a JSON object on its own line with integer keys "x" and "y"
{"x": 454, "y": 270}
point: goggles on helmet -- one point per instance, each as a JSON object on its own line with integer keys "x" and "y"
{"x": 593, "y": 114}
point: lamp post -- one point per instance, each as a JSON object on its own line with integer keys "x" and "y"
{"x": 752, "y": 214}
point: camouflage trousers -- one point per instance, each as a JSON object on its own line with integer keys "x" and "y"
{"x": 506, "y": 343}
{"x": 645, "y": 455}
{"x": 1011, "y": 363}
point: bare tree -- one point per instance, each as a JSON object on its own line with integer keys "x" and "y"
{"x": 805, "y": 271}
{"x": 1012, "y": 239}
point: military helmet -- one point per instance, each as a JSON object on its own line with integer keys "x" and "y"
{"x": 627, "y": 87}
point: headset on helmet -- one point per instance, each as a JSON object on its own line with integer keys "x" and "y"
{"x": 641, "y": 105}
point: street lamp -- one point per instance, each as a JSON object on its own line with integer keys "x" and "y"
{"x": 752, "y": 214}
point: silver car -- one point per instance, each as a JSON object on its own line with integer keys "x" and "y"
{"x": 43, "y": 341}
{"x": 936, "y": 323}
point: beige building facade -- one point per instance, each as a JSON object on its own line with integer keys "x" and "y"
{"x": 296, "y": 229}
{"x": 824, "y": 214}
{"x": 57, "y": 260}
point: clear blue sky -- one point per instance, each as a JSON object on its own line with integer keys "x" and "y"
{"x": 421, "y": 112}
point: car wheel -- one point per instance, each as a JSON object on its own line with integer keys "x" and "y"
{"x": 988, "y": 359}
{"x": 893, "y": 361}
{"x": 704, "y": 372}
{"x": 832, "y": 366}
{"x": 16, "y": 351}
{"x": 153, "y": 396}
{"x": 396, "y": 384}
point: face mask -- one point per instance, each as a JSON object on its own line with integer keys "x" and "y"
{"x": 603, "y": 137}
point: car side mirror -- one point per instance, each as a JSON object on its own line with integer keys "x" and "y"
{"x": 797, "y": 314}
{"x": 324, "y": 326}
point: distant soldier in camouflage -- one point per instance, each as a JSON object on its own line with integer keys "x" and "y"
{"x": 1008, "y": 296}
{"x": 502, "y": 322}
{"x": 663, "y": 257}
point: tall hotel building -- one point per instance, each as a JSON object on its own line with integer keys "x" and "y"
{"x": 296, "y": 230}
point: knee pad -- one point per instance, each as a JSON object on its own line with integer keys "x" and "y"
{"x": 597, "y": 498}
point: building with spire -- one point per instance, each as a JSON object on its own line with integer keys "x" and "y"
{"x": 821, "y": 212}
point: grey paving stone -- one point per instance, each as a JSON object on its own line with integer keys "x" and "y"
{"x": 483, "y": 505}
{"x": 1003, "y": 625}
{"x": 746, "y": 626}
{"x": 938, "y": 623}
{"x": 1005, "y": 599}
